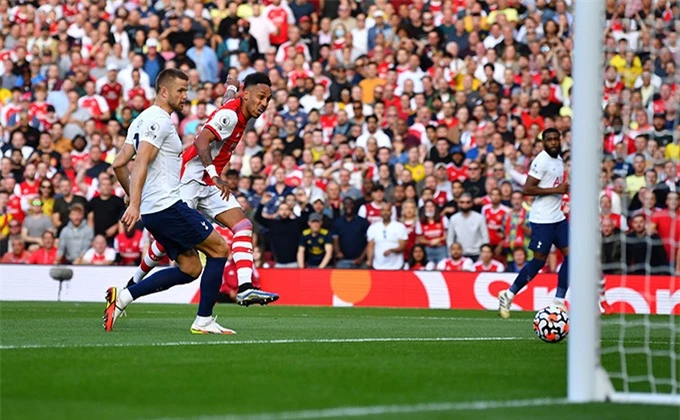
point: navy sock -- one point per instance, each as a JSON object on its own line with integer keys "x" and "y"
{"x": 210, "y": 285}
{"x": 159, "y": 281}
{"x": 563, "y": 279}
{"x": 527, "y": 274}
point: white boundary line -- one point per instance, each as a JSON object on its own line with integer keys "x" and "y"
{"x": 261, "y": 342}
{"x": 378, "y": 410}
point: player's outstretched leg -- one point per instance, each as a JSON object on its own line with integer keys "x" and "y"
{"x": 242, "y": 252}
{"x": 523, "y": 278}
{"x": 154, "y": 255}
{"x": 116, "y": 301}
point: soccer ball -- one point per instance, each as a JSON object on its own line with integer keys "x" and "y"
{"x": 551, "y": 324}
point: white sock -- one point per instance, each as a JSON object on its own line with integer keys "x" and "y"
{"x": 203, "y": 320}
{"x": 125, "y": 297}
{"x": 558, "y": 301}
{"x": 510, "y": 294}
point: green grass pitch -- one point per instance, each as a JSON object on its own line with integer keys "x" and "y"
{"x": 56, "y": 362}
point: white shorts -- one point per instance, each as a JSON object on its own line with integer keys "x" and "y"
{"x": 206, "y": 199}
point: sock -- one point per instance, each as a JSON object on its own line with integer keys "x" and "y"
{"x": 242, "y": 252}
{"x": 563, "y": 279}
{"x": 125, "y": 298}
{"x": 526, "y": 274}
{"x": 203, "y": 320}
{"x": 162, "y": 280}
{"x": 153, "y": 257}
{"x": 210, "y": 285}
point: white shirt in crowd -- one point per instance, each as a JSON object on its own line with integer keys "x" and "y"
{"x": 550, "y": 172}
{"x": 387, "y": 237}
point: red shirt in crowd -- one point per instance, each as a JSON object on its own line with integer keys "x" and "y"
{"x": 668, "y": 228}
{"x": 44, "y": 256}
{"x": 129, "y": 248}
{"x": 494, "y": 222}
{"x": 457, "y": 173}
{"x": 111, "y": 92}
{"x": 461, "y": 264}
{"x": 494, "y": 266}
{"x": 433, "y": 230}
{"x": 10, "y": 258}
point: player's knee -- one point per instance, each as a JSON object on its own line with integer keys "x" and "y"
{"x": 217, "y": 248}
{"x": 243, "y": 228}
{"x": 191, "y": 267}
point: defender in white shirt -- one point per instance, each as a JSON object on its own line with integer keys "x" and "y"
{"x": 386, "y": 242}
{"x": 549, "y": 226}
{"x": 154, "y": 196}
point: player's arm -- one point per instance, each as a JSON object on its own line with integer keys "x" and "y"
{"x": 232, "y": 89}
{"x": 146, "y": 154}
{"x": 120, "y": 166}
{"x": 531, "y": 188}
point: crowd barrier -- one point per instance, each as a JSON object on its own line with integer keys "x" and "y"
{"x": 401, "y": 289}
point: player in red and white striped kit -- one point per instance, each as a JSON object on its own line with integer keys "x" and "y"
{"x": 203, "y": 189}
{"x": 456, "y": 262}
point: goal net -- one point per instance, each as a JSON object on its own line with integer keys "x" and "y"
{"x": 630, "y": 218}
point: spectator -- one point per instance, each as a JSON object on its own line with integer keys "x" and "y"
{"x": 372, "y": 211}
{"x": 486, "y": 261}
{"x": 386, "y": 242}
{"x": 468, "y": 228}
{"x": 63, "y": 203}
{"x": 99, "y": 253}
{"x": 18, "y": 254}
{"x": 431, "y": 231}
{"x": 495, "y": 214}
{"x": 519, "y": 260}
{"x": 610, "y": 255}
{"x": 47, "y": 253}
{"x": 417, "y": 260}
{"x": 105, "y": 210}
{"x": 283, "y": 232}
{"x": 128, "y": 246}
{"x": 456, "y": 261}
{"x": 645, "y": 253}
{"x": 75, "y": 237}
{"x": 315, "y": 249}
{"x": 35, "y": 224}
{"x": 349, "y": 237}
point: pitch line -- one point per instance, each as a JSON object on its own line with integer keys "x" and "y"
{"x": 378, "y": 410}
{"x": 264, "y": 342}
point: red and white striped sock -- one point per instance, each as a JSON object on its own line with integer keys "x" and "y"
{"x": 152, "y": 258}
{"x": 242, "y": 251}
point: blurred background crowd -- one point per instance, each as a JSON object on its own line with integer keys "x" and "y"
{"x": 425, "y": 114}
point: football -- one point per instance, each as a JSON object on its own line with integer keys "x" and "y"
{"x": 551, "y": 324}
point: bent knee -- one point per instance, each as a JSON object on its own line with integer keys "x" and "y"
{"x": 191, "y": 267}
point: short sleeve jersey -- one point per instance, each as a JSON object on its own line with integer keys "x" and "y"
{"x": 550, "y": 173}
{"x": 160, "y": 190}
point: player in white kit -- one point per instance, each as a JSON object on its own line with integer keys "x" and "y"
{"x": 154, "y": 195}
{"x": 202, "y": 188}
{"x": 549, "y": 226}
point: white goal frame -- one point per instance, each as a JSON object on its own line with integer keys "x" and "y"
{"x": 587, "y": 380}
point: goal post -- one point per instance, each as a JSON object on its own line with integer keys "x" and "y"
{"x": 587, "y": 379}
{"x": 586, "y": 157}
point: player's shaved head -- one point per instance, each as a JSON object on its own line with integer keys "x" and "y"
{"x": 257, "y": 78}
{"x": 168, "y": 77}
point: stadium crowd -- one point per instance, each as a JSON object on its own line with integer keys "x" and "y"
{"x": 407, "y": 124}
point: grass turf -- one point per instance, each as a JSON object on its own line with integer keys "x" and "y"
{"x": 57, "y": 362}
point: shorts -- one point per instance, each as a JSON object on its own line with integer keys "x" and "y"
{"x": 206, "y": 199}
{"x": 543, "y": 235}
{"x": 179, "y": 228}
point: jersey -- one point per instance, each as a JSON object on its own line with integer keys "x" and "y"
{"x": 461, "y": 264}
{"x": 161, "y": 189}
{"x": 494, "y": 266}
{"x": 494, "y": 222}
{"x": 433, "y": 230}
{"x": 227, "y": 124}
{"x": 129, "y": 248}
{"x": 93, "y": 257}
{"x": 550, "y": 173}
{"x": 384, "y": 238}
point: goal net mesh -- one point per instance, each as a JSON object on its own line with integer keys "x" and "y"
{"x": 640, "y": 232}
